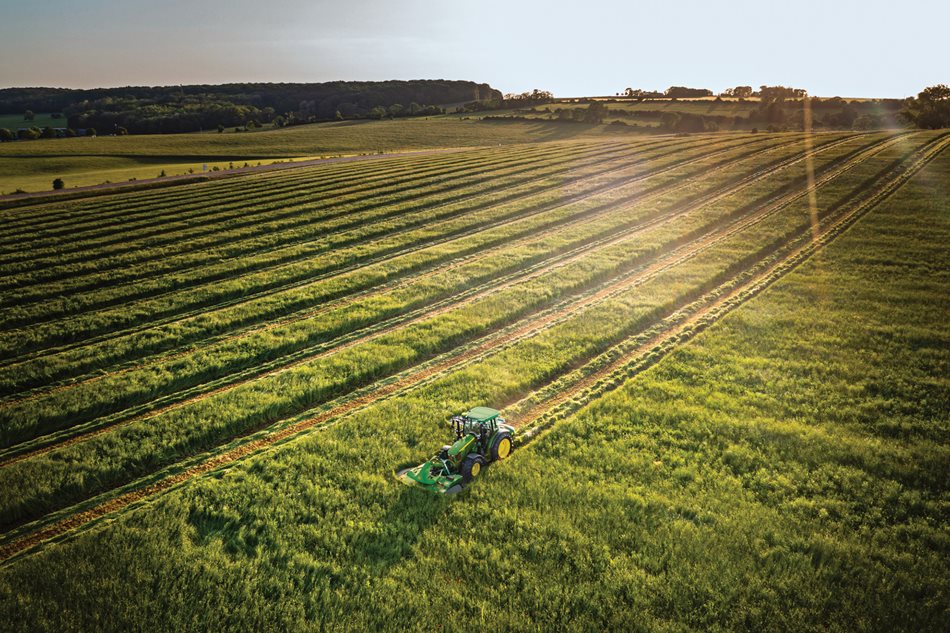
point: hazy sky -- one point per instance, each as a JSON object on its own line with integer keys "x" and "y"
{"x": 888, "y": 48}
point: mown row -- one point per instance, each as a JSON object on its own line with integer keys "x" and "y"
{"x": 466, "y": 274}
{"x": 284, "y": 274}
{"x": 292, "y": 246}
{"x": 307, "y": 336}
{"x": 764, "y": 477}
{"x": 396, "y": 251}
{"x": 204, "y": 221}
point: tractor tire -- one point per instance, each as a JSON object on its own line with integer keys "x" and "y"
{"x": 471, "y": 467}
{"x": 501, "y": 447}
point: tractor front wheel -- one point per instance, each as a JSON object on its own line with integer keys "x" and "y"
{"x": 501, "y": 447}
{"x": 472, "y": 466}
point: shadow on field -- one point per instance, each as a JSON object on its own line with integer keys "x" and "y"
{"x": 400, "y": 528}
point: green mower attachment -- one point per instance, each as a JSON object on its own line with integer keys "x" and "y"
{"x": 481, "y": 436}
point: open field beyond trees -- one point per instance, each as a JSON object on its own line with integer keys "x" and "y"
{"x": 726, "y": 356}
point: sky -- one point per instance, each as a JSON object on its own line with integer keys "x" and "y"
{"x": 868, "y": 48}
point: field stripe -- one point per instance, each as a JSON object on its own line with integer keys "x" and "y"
{"x": 111, "y": 212}
{"x": 208, "y": 211}
{"x": 30, "y": 539}
{"x": 206, "y": 207}
{"x": 280, "y": 186}
{"x": 306, "y": 310}
{"x": 362, "y": 335}
{"x": 36, "y": 351}
{"x": 54, "y": 210}
{"x": 281, "y": 236}
{"x": 352, "y": 171}
{"x": 98, "y": 278}
{"x": 497, "y": 251}
{"x": 312, "y": 243}
{"x": 195, "y": 205}
{"x": 592, "y": 243}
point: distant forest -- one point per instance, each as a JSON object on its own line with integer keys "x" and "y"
{"x": 172, "y": 109}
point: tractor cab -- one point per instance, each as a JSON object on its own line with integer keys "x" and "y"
{"x": 480, "y": 422}
{"x": 481, "y": 436}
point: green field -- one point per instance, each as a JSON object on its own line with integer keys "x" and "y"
{"x": 32, "y": 165}
{"x": 730, "y": 388}
{"x": 14, "y": 122}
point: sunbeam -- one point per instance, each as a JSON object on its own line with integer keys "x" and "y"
{"x": 810, "y": 166}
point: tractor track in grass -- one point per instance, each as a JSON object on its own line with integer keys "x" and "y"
{"x": 92, "y": 218}
{"x": 731, "y": 294}
{"x": 523, "y": 328}
{"x": 362, "y": 263}
{"x": 465, "y": 295}
{"x": 131, "y": 281}
{"x": 224, "y": 218}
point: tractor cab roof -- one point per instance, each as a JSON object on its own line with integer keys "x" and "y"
{"x": 482, "y": 414}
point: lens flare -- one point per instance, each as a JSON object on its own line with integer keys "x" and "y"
{"x": 810, "y": 166}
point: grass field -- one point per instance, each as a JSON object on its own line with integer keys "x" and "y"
{"x": 32, "y": 165}
{"x": 730, "y": 386}
{"x": 14, "y": 122}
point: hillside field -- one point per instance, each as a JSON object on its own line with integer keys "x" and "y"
{"x": 726, "y": 355}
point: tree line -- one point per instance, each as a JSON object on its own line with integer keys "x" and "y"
{"x": 510, "y": 100}
{"x": 930, "y": 110}
{"x": 673, "y": 92}
{"x": 172, "y": 109}
{"x": 774, "y": 113}
{"x": 741, "y": 92}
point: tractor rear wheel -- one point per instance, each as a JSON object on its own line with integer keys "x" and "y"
{"x": 472, "y": 466}
{"x": 501, "y": 447}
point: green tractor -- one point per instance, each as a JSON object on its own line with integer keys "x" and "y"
{"x": 481, "y": 436}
